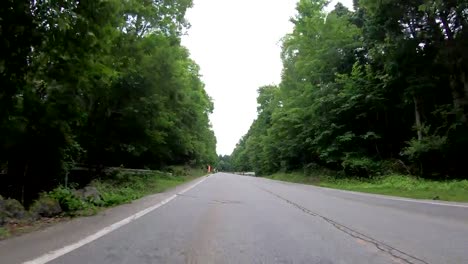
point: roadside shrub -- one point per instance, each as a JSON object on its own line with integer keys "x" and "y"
{"x": 114, "y": 196}
{"x": 45, "y": 206}
{"x": 2, "y": 211}
{"x": 67, "y": 199}
{"x": 360, "y": 166}
{"x": 394, "y": 166}
{"x": 178, "y": 170}
{"x": 428, "y": 153}
{"x": 11, "y": 210}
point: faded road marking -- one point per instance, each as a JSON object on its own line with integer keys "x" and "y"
{"x": 67, "y": 249}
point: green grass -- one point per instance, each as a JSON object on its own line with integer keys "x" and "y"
{"x": 395, "y": 185}
{"x": 125, "y": 187}
{"x": 114, "y": 190}
{"x": 4, "y": 233}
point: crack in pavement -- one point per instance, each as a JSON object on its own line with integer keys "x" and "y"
{"x": 212, "y": 200}
{"x": 394, "y": 252}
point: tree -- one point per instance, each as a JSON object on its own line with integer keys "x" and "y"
{"x": 97, "y": 83}
{"x": 367, "y": 90}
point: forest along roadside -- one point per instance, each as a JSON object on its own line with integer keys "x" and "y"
{"x": 66, "y": 203}
{"x": 240, "y": 219}
{"x": 87, "y": 85}
{"x": 377, "y": 94}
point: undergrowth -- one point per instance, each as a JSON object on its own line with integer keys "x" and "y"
{"x": 393, "y": 184}
{"x": 115, "y": 189}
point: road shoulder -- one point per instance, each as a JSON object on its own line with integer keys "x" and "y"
{"x": 31, "y": 245}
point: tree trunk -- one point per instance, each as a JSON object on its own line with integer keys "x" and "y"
{"x": 457, "y": 76}
{"x": 464, "y": 98}
{"x": 23, "y": 184}
{"x": 417, "y": 115}
{"x": 459, "y": 99}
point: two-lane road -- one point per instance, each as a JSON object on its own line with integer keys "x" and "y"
{"x": 238, "y": 219}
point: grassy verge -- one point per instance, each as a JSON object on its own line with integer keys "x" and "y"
{"x": 124, "y": 188}
{"x": 62, "y": 203}
{"x": 395, "y": 185}
{"x": 4, "y": 233}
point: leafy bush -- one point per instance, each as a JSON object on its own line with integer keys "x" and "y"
{"x": 124, "y": 187}
{"x": 67, "y": 199}
{"x": 427, "y": 152}
{"x": 179, "y": 170}
{"x": 393, "y": 166}
{"x": 360, "y": 166}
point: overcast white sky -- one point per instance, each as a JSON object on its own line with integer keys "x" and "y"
{"x": 237, "y": 45}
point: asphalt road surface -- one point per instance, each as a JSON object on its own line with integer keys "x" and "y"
{"x": 239, "y": 219}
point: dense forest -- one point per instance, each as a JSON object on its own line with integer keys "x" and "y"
{"x": 97, "y": 83}
{"x": 377, "y": 89}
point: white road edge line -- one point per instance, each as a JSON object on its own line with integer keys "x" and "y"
{"x": 381, "y": 196}
{"x": 406, "y": 200}
{"x": 385, "y": 197}
{"x": 67, "y": 249}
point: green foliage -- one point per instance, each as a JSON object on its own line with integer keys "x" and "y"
{"x": 425, "y": 152}
{"x": 97, "y": 83}
{"x": 118, "y": 188}
{"x": 68, "y": 200}
{"x": 125, "y": 187}
{"x": 361, "y": 88}
{"x": 225, "y": 163}
{"x": 392, "y": 184}
{"x": 418, "y": 148}
{"x": 360, "y": 166}
{"x": 407, "y": 186}
{"x": 4, "y": 233}
{"x": 178, "y": 170}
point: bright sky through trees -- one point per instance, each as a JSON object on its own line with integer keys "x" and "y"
{"x": 237, "y": 45}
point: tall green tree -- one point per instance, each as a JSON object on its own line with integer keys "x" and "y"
{"x": 97, "y": 83}
{"x": 367, "y": 91}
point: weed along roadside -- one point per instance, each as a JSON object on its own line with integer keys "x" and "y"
{"x": 63, "y": 203}
{"x": 394, "y": 184}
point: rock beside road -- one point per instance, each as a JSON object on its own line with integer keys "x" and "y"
{"x": 89, "y": 193}
{"x": 11, "y": 210}
{"x": 45, "y": 206}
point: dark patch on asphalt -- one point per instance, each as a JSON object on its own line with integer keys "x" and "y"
{"x": 396, "y": 253}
